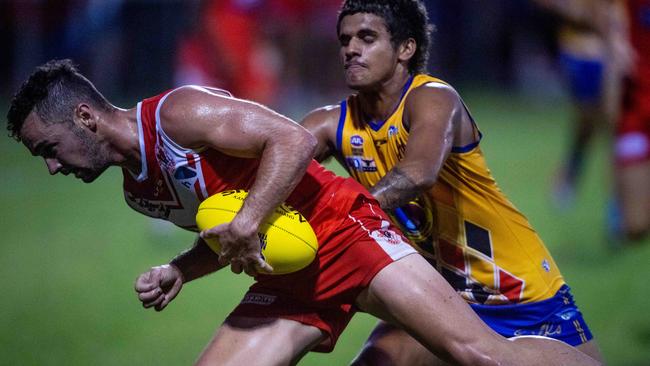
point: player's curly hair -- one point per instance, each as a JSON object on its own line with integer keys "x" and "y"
{"x": 53, "y": 90}
{"x": 404, "y": 19}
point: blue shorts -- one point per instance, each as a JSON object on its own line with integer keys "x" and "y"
{"x": 557, "y": 317}
{"x": 585, "y": 77}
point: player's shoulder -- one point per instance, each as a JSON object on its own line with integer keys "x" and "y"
{"x": 188, "y": 98}
{"x": 323, "y": 116}
{"x": 434, "y": 92}
{"x": 324, "y": 113}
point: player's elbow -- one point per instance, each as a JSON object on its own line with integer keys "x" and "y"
{"x": 307, "y": 142}
{"x": 425, "y": 182}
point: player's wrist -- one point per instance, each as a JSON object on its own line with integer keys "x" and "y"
{"x": 176, "y": 269}
{"x": 243, "y": 226}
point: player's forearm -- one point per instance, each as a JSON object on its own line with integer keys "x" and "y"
{"x": 283, "y": 164}
{"x": 196, "y": 262}
{"x": 397, "y": 188}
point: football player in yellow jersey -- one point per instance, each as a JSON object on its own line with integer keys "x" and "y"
{"x": 409, "y": 138}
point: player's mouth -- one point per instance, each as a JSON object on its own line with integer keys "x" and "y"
{"x": 354, "y": 65}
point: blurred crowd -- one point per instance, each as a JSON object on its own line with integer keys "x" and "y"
{"x": 279, "y": 52}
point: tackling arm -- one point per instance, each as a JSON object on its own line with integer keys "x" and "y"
{"x": 432, "y": 113}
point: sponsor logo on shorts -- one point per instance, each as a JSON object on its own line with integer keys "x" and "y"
{"x": 392, "y": 131}
{"x": 258, "y": 299}
{"x": 546, "y": 330}
{"x": 386, "y": 236}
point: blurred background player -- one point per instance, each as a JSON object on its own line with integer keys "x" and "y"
{"x": 632, "y": 145}
{"x": 409, "y": 138}
{"x": 593, "y": 55}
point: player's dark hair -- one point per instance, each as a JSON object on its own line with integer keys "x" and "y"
{"x": 404, "y": 19}
{"x": 53, "y": 91}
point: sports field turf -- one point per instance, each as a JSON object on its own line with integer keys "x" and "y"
{"x": 70, "y": 253}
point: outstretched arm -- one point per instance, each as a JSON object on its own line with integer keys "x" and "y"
{"x": 158, "y": 286}
{"x": 195, "y": 117}
{"x": 434, "y": 114}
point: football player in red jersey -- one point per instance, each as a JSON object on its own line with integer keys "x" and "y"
{"x": 180, "y": 147}
{"x": 632, "y": 145}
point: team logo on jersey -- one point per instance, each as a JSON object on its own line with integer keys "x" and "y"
{"x": 546, "y": 265}
{"x": 356, "y": 140}
{"x": 186, "y": 176}
{"x": 392, "y": 131}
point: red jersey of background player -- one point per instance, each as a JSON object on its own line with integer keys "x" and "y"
{"x": 639, "y": 15}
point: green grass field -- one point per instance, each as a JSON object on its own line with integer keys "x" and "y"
{"x": 70, "y": 254}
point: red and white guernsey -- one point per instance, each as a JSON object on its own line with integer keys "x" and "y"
{"x": 174, "y": 180}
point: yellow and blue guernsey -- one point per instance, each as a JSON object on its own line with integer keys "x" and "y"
{"x": 465, "y": 226}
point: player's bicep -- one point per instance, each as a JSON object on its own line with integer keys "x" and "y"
{"x": 431, "y": 114}
{"x": 196, "y": 118}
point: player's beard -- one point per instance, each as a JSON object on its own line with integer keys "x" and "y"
{"x": 98, "y": 157}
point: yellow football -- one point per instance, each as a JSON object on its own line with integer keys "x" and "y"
{"x": 287, "y": 240}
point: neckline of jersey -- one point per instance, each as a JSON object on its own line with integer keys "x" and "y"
{"x": 376, "y": 126}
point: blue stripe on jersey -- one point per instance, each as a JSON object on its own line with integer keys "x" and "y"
{"x": 377, "y": 125}
{"x": 468, "y": 147}
{"x": 339, "y": 131}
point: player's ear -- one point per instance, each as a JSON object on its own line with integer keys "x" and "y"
{"x": 85, "y": 116}
{"x": 407, "y": 49}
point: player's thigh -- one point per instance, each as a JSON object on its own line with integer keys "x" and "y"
{"x": 555, "y": 351}
{"x": 259, "y": 341}
{"x": 591, "y": 349}
{"x": 412, "y": 295}
{"x": 391, "y": 346}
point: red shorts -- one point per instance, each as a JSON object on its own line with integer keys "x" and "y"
{"x": 632, "y": 144}
{"x": 323, "y": 294}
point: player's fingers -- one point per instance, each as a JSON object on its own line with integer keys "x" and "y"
{"x": 154, "y": 302}
{"x": 170, "y": 295}
{"x": 213, "y": 232}
{"x": 150, "y": 295}
{"x": 236, "y": 266}
{"x": 251, "y": 269}
{"x": 263, "y": 266}
{"x": 225, "y": 256}
{"x": 146, "y": 282}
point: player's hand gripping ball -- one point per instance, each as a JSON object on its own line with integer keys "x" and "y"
{"x": 287, "y": 240}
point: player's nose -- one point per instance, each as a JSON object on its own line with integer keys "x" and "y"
{"x": 53, "y": 166}
{"x": 352, "y": 49}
